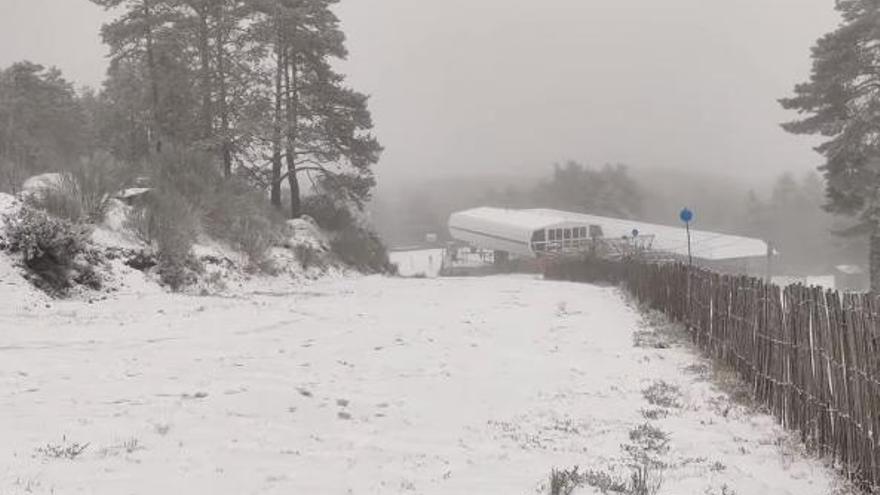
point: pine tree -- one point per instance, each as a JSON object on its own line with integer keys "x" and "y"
{"x": 841, "y": 102}
{"x": 320, "y": 127}
{"x": 251, "y": 80}
{"x": 42, "y": 123}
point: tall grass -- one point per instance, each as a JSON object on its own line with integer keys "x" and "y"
{"x": 82, "y": 193}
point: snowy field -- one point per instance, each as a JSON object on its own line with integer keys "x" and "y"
{"x": 365, "y": 386}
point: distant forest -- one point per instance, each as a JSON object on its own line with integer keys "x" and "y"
{"x": 788, "y": 213}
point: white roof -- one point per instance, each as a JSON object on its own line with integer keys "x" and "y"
{"x": 503, "y": 229}
{"x": 704, "y": 244}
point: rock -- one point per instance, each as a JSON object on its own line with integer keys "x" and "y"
{"x": 305, "y": 232}
{"x": 38, "y": 185}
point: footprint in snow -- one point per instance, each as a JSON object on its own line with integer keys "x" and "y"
{"x": 197, "y": 395}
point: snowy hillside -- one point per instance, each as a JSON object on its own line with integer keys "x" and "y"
{"x": 369, "y": 385}
{"x": 126, "y": 263}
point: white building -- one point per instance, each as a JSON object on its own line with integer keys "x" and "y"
{"x": 534, "y": 232}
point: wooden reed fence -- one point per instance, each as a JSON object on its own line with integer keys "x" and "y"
{"x": 811, "y": 356}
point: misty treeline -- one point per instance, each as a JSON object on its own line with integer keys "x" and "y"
{"x": 232, "y": 110}
{"x": 788, "y": 213}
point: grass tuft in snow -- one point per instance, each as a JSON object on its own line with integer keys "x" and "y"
{"x": 644, "y": 459}
{"x": 663, "y": 394}
{"x": 647, "y": 439}
{"x": 645, "y": 479}
{"x": 646, "y": 450}
{"x": 128, "y": 446}
{"x": 655, "y": 413}
{"x": 64, "y": 450}
{"x": 565, "y": 481}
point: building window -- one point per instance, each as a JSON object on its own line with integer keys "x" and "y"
{"x": 552, "y": 234}
{"x": 568, "y": 233}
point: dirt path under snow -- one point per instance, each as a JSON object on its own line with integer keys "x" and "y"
{"x": 374, "y": 386}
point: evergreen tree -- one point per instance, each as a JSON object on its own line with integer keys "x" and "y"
{"x": 606, "y": 191}
{"x": 321, "y": 127}
{"x": 841, "y": 102}
{"x": 251, "y": 80}
{"x": 42, "y": 123}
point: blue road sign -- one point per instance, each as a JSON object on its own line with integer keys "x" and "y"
{"x": 686, "y": 215}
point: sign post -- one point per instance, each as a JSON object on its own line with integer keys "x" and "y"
{"x": 687, "y": 216}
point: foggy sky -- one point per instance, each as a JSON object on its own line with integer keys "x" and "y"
{"x": 482, "y": 86}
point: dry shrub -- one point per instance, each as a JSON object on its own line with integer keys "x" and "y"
{"x": 97, "y": 179}
{"x": 61, "y": 199}
{"x": 82, "y": 193}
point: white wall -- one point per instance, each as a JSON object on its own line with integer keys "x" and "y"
{"x": 423, "y": 262}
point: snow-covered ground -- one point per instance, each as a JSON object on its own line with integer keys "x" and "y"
{"x": 364, "y": 385}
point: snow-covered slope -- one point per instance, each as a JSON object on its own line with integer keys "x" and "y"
{"x": 369, "y": 385}
{"x": 16, "y": 293}
{"x": 226, "y": 270}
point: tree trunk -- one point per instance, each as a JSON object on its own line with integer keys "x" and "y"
{"x": 291, "y": 92}
{"x": 226, "y": 143}
{"x": 205, "y": 59}
{"x": 874, "y": 259}
{"x": 152, "y": 132}
{"x": 276, "y": 124}
{"x": 295, "y": 203}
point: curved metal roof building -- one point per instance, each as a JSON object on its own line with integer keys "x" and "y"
{"x": 532, "y": 231}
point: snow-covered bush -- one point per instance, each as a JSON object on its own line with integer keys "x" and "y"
{"x": 169, "y": 223}
{"x": 52, "y": 249}
{"x": 350, "y": 239}
{"x": 235, "y": 213}
{"x": 226, "y": 209}
{"x": 362, "y": 249}
{"x": 328, "y": 213}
